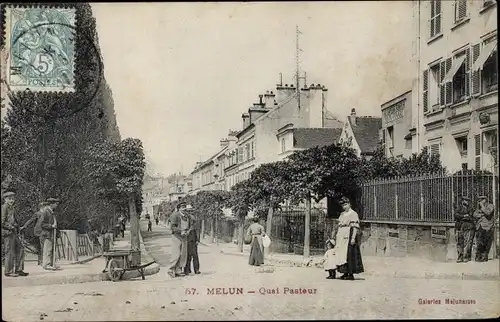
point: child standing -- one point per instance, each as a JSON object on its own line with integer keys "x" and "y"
{"x": 329, "y": 259}
{"x": 150, "y": 225}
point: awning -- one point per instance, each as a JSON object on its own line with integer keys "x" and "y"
{"x": 457, "y": 63}
{"x": 485, "y": 53}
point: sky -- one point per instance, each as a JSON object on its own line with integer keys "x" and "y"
{"x": 183, "y": 73}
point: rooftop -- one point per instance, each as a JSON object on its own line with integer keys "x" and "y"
{"x": 366, "y": 132}
{"x": 306, "y": 138}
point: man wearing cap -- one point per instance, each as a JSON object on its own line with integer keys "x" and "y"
{"x": 48, "y": 226}
{"x": 180, "y": 225}
{"x": 464, "y": 229}
{"x": 193, "y": 238}
{"x": 37, "y": 229}
{"x": 14, "y": 261}
{"x": 484, "y": 228}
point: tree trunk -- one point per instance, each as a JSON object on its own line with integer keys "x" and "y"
{"x": 212, "y": 230}
{"x": 307, "y": 227}
{"x": 135, "y": 243}
{"x": 203, "y": 229}
{"x": 269, "y": 226}
{"x": 241, "y": 226}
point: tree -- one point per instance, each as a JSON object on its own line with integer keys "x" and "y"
{"x": 117, "y": 171}
{"x": 240, "y": 202}
{"x": 208, "y": 206}
{"x": 319, "y": 172}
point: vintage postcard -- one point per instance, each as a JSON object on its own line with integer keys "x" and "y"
{"x": 249, "y": 161}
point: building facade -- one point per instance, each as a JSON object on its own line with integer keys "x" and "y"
{"x": 398, "y": 132}
{"x": 456, "y": 108}
{"x": 362, "y": 133}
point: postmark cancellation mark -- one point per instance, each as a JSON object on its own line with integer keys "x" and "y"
{"x": 41, "y": 48}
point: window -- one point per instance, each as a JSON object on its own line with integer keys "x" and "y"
{"x": 408, "y": 144}
{"x": 390, "y": 140}
{"x": 435, "y": 21}
{"x": 253, "y": 149}
{"x": 283, "y": 146}
{"x": 434, "y": 86}
{"x": 434, "y": 148}
{"x": 247, "y": 150}
{"x": 462, "y": 145}
{"x": 490, "y": 73}
{"x": 464, "y": 166}
{"x": 240, "y": 154}
{"x": 460, "y": 79}
{"x": 460, "y": 10}
{"x": 490, "y": 147}
{"x": 477, "y": 154}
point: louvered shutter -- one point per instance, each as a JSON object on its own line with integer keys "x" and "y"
{"x": 426, "y": 91}
{"x": 438, "y": 17}
{"x": 462, "y": 9}
{"x": 435, "y": 149}
{"x": 476, "y": 76}
{"x": 442, "y": 92}
{"x": 477, "y": 147}
{"x": 467, "y": 63}
{"x": 448, "y": 85}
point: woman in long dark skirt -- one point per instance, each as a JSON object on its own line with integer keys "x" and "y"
{"x": 256, "y": 232}
{"x": 347, "y": 251}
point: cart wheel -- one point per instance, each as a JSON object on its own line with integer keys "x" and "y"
{"x": 114, "y": 270}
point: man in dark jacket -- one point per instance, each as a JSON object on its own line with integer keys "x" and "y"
{"x": 14, "y": 261}
{"x": 193, "y": 238}
{"x": 37, "y": 231}
{"x": 464, "y": 229}
{"x": 485, "y": 216}
{"x": 48, "y": 226}
{"x": 180, "y": 228}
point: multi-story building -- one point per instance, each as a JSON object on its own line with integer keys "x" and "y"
{"x": 363, "y": 133}
{"x": 455, "y": 107}
{"x": 179, "y": 187}
{"x": 397, "y": 128}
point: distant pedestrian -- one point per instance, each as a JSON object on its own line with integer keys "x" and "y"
{"x": 329, "y": 263}
{"x": 347, "y": 239}
{"x": 485, "y": 215}
{"x": 48, "y": 225}
{"x": 11, "y": 234}
{"x": 256, "y": 232}
{"x": 180, "y": 225}
{"x": 37, "y": 230}
{"x": 157, "y": 219}
{"x": 122, "y": 222}
{"x": 150, "y": 224}
{"x": 464, "y": 229}
{"x": 193, "y": 239}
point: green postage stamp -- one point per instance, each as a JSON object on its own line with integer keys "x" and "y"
{"x": 41, "y": 49}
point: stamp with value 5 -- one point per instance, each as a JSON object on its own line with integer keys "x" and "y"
{"x": 41, "y": 48}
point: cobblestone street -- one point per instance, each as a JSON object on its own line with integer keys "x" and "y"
{"x": 161, "y": 298}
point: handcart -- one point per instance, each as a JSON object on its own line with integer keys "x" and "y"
{"x": 120, "y": 261}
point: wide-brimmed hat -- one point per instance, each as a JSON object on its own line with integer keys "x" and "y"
{"x": 344, "y": 200}
{"x": 482, "y": 197}
{"x": 180, "y": 204}
{"x": 9, "y": 194}
{"x": 52, "y": 200}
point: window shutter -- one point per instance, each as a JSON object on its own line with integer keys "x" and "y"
{"x": 438, "y": 16}
{"x": 426, "y": 91}
{"x": 448, "y": 86}
{"x": 467, "y": 63}
{"x": 476, "y": 76}
{"x": 435, "y": 149}
{"x": 477, "y": 146}
{"x": 462, "y": 9}
{"x": 442, "y": 93}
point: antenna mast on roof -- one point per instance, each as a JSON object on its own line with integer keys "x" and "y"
{"x": 297, "y": 66}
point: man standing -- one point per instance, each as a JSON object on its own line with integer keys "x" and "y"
{"x": 464, "y": 230}
{"x": 37, "y": 230}
{"x": 193, "y": 238}
{"x": 48, "y": 226}
{"x": 14, "y": 261}
{"x": 485, "y": 221}
{"x": 180, "y": 227}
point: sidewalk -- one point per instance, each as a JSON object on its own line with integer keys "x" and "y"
{"x": 78, "y": 273}
{"x": 402, "y": 267}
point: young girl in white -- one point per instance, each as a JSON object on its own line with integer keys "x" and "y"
{"x": 329, "y": 259}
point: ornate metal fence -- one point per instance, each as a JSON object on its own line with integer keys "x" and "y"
{"x": 428, "y": 198}
{"x": 288, "y": 229}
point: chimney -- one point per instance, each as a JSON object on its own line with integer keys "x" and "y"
{"x": 246, "y": 120}
{"x": 283, "y": 92}
{"x": 352, "y": 117}
{"x": 255, "y": 112}
{"x": 317, "y": 105}
{"x": 269, "y": 100}
{"x": 224, "y": 143}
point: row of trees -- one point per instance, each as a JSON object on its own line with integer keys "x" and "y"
{"x": 331, "y": 171}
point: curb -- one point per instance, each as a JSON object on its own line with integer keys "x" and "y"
{"x": 85, "y": 278}
{"x": 423, "y": 275}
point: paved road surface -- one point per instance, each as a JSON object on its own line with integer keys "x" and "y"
{"x": 160, "y": 297}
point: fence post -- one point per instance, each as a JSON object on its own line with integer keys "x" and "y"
{"x": 375, "y": 201}
{"x": 452, "y": 198}
{"x": 396, "y": 198}
{"x": 421, "y": 199}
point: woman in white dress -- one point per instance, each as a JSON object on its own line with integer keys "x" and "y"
{"x": 347, "y": 251}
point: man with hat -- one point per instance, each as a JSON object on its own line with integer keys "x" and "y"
{"x": 37, "y": 229}
{"x": 180, "y": 225}
{"x": 14, "y": 261}
{"x": 193, "y": 239}
{"x": 464, "y": 229}
{"x": 485, "y": 216}
{"x": 48, "y": 225}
